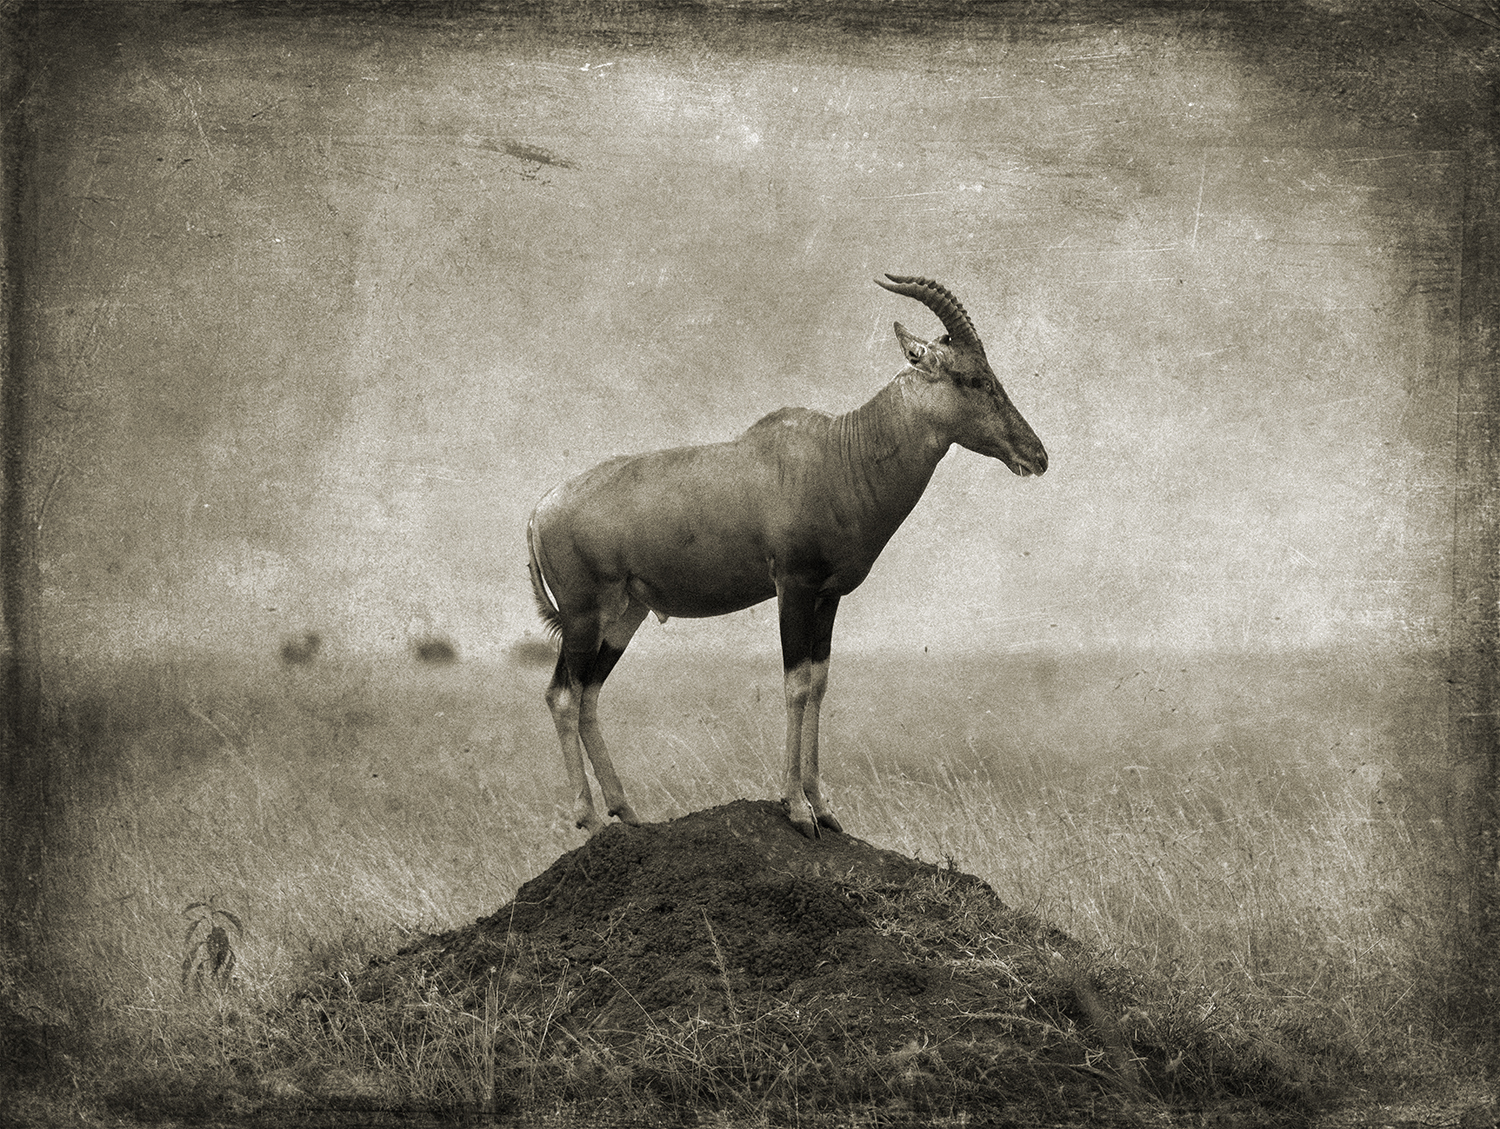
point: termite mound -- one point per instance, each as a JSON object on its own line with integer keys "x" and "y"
{"x": 825, "y": 975}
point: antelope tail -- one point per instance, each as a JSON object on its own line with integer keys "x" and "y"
{"x": 546, "y": 602}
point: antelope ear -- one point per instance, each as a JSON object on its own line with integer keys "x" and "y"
{"x": 914, "y": 347}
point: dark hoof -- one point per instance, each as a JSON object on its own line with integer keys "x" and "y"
{"x": 802, "y": 820}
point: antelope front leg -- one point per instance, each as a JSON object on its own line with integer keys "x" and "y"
{"x": 797, "y": 682}
{"x": 817, "y": 684}
{"x": 806, "y": 636}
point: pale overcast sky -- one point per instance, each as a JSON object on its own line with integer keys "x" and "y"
{"x": 320, "y": 324}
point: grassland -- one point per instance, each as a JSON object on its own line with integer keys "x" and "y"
{"x": 1269, "y": 829}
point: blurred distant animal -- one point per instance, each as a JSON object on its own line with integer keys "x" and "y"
{"x": 798, "y": 507}
{"x": 438, "y": 652}
{"x": 301, "y": 649}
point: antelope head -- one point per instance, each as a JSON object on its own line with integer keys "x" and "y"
{"x": 973, "y": 408}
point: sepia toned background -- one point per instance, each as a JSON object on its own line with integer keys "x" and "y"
{"x": 320, "y": 306}
{"x": 312, "y": 303}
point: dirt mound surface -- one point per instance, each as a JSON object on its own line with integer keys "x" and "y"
{"x": 724, "y": 960}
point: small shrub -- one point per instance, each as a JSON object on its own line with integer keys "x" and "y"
{"x": 208, "y": 954}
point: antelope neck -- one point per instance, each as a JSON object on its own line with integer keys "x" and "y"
{"x": 886, "y": 454}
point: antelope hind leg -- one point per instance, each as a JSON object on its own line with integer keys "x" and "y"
{"x": 563, "y": 701}
{"x": 617, "y": 636}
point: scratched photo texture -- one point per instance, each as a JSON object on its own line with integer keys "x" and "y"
{"x": 319, "y": 301}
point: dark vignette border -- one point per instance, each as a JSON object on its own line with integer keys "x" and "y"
{"x": 1437, "y": 58}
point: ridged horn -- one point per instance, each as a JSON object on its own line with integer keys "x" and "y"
{"x": 940, "y": 300}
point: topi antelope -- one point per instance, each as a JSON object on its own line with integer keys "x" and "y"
{"x": 798, "y": 507}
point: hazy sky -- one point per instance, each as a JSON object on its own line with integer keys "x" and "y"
{"x": 322, "y": 306}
